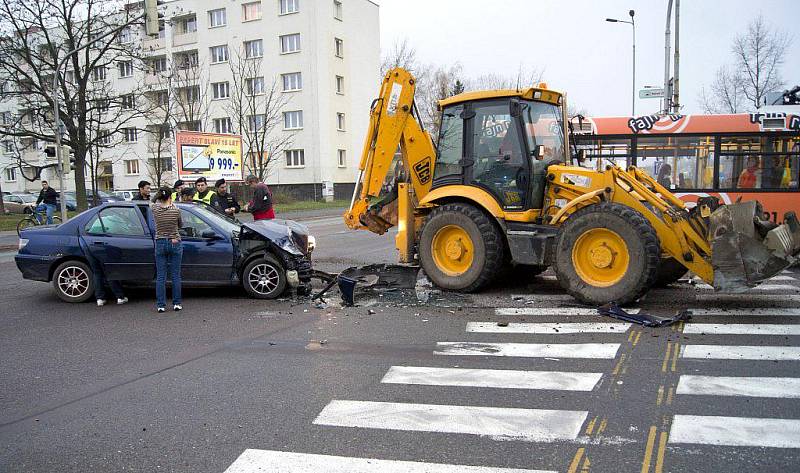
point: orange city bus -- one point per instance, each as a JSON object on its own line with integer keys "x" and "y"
{"x": 747, "y": 156}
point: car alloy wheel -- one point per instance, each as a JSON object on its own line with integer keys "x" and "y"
{"x": 264, "y": 278}
{"x": 73, "y": 281}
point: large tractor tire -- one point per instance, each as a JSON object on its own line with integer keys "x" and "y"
{"x": 607, "y": 253}
{"x": 669, "y": 271}
{"x": 460, "y": 248}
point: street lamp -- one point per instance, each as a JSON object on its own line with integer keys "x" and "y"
{"x": 633, "y": 84}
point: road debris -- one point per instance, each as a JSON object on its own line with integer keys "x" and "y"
{"x": 613, "y": 310}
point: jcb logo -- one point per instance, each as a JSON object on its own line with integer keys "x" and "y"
{"x": 423, "y": 170}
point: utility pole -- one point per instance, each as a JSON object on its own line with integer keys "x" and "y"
{"x": 675, "y": 89}
{"x": 667, "y": 91}
{"x": 633, "y": 83}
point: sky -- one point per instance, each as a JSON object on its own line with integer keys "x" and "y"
{"x": 579, "y": 51}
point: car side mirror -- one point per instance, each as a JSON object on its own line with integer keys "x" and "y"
{"x": 210, "y": 235}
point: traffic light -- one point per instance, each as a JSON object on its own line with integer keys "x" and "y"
{"x": 67, "y": 159}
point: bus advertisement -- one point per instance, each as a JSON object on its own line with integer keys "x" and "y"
{"x": 753, "y": 156}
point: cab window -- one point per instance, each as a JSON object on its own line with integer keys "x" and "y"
{"x": 123, "y": 221}
{"x": 451, "y": 142}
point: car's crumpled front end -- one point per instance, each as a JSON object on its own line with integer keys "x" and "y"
{"x": 286, "y": 239}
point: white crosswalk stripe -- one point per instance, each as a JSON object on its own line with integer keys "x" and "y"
{"x": 486, "y": 378}
{"x": 747, "y": 298}
{"x": 735, "y": 431}
{"x": 748, "y": 386}
{"x": 535, "y": 425}
{"x": 742, "y": 329}
{"x": 547, "y": 328}
{"x": 782, "y": 277}
{"x": 529, "y": 350}
{"x": 552, "y": 311}
{"x": 760, "y": 311}
{"x": 740, "y": 352}
{"x": 760, "y": 287}
{"x": 253, "y": 461}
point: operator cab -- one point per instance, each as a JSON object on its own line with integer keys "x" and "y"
{"x": 501, "y": 141}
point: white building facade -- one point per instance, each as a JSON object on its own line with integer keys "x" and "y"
{"x": 323, "y": 54}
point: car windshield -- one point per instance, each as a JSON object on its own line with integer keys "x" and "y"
{"x": 27, "y": 198}
{"x": 217, "y": 219}
{"x": 543, "y": 127}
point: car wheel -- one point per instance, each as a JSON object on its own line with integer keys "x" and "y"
{"x": 264, "y": 278}
{"x": 73, "y": 281}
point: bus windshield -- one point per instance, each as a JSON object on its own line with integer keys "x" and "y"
{"x": 543, "y": 127}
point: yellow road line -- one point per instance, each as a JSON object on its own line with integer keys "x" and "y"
{"x": 660, "y": 396}
{"x": 662, "y": 444}
{"x": 666, "y": 358}
{"x": 630, "y": 335}
{"x": 675, "y": 354}
{"x": 636, "y": 340}
{"x": 670, "y": 395}
{"x": 602, "y": 427}
{"x": 648, "y": 451}
{"x": 619, "y": 364}
{"x": 590, "y": 427}
{"x": 586, "y": 464}
{"x": 576, "y": 460}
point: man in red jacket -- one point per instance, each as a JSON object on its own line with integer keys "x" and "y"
{"x": 261, "y": 205}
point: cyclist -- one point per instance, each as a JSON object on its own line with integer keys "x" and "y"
{"x": 47, "y": 201}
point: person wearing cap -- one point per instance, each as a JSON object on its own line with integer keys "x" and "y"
{"x": 177, "y": 188}
{"x": 187, "y": 195}
{"x": 204, "y": 194}
{"x": 261, "y": 205}
{"x": 225, "y": 201}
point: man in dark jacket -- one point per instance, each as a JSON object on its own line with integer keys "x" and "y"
{"x": 144, "y": 191}
{"x": 48, "y": 198}
{"x": 261, "y": 205}
{"x": 225, "y": 201}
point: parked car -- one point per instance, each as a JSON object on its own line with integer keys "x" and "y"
{"x": 102, "y": 198}
{"x": 264, "y": 257}
{"x": 19, "y": 203}
{"x": 72, "y": 204}
{"x": 126, "y": 194}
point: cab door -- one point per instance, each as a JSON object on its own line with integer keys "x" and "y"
{"x": 499, "y": 161}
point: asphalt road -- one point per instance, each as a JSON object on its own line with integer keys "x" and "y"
{"x": 398, "y": 379}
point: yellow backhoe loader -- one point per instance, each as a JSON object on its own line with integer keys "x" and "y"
{"x": 498, "y": 191}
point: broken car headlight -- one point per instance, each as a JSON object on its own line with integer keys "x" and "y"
{"x": 312, "y": 243}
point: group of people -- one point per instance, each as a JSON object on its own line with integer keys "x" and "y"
{"x": 167, "y": 219}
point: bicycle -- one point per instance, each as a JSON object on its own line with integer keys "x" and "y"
{"x": 34, "y": 219}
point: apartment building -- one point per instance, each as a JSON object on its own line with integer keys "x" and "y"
{"x": 323, "y": 54}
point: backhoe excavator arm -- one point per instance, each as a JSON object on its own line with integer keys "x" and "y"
{"x": 391, "y": 125}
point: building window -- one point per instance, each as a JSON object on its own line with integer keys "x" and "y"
{"x": 340, "y": 121}
{"x": 132, "y": 166}
{"x": 164, "y": 164}
{"x": 290, "y": 6}
{"x": 102, "y": 105}
{"x": 255, "y": 122}
{"x": 125, "y": 68}
{"x": 159, "y": 65}
{"x": 104, "y": 137}
{"x": 130, "y": 135}
{"x": 293, "y": 120}
{"x": 192, "y": 94}
{"x": 216, "y": 18}
{"x": 125, "y": 35}
{"x": 251, "y": 11}
{"x": 127, "y": 102}
{"x": 292, "y": 81}
{"x": 254, "y": 85}
{"x": 162, "y": 98}
{"x": 220, "y": 90}
{"x": 342, "y": 158}
{"x": 6, "y": 117}
{"x": 253, "y": 48}
{"x": 339, "y": 85}
{"x": 223, "y": 125}
{"x": 219, "y": 54}
{"x": 187, "y": 25}
{"x": 190, "y": 126}
{"x": 11, "y": 174}
{"x": 295, "y": 158}
{"x": 290, "y": 43}
{"x": 8, "y": 146}
{"x": 187, "y": 60}
{"x": 337, "y": 9}
{"x": 99, "y": 73}
{"x": 338, "y": 47}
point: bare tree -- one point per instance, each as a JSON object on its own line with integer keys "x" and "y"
{"x": 36, "y": 36}
{"x": 760, "y": 53}
{"x": 525, "y": 77}
{"x": 256, "y": 109}
{"x": 189, "y": 87}
{"x": 725, "y": 94}
{"x": 400, "y": 54}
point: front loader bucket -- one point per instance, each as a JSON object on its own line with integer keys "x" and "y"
{"x": 746, "y": 250}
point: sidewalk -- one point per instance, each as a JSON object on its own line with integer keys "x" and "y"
{"x": 9, "y": 241}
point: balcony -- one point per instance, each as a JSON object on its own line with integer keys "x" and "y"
{"x": 154, "y": 44}
{"x": 152, "y": 80}
{"x": 184, "y": 38}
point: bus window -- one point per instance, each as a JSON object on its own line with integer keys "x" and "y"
{"x": 759, "y": 162}
{"x": 601, "y": 151}
{"x": 685, "y": 162}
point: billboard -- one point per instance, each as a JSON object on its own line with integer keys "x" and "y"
{"x": 210, "y": 155}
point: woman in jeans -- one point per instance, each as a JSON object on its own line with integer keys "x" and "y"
{"x": 168, "y": 248}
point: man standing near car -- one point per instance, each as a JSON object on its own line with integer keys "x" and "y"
{"x": 144, "y": 191}
{"x": 225, "y": 201}
{"x": 261, "y": 205}
{"x": 204, "y": 194}
{"x": 177, "y": 188}
{"x": 48, "y": 198}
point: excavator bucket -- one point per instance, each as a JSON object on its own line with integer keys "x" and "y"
{"x": 746, "y": 250}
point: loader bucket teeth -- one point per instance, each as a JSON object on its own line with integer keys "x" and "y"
{"x": 746, "y": 250}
